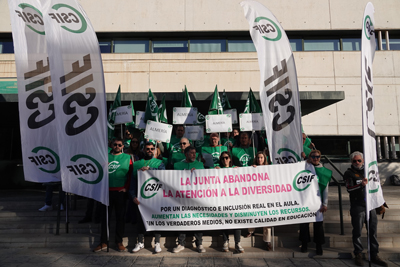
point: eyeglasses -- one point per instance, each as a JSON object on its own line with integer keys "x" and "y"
{"x": 225, "y": 158}
{"x": 183, "y": 143}
{"x": 315, "y": 157}
{"x": 150, "y": 148}
{"x": 357, "y": 160}
{"x": 118, "y": 145}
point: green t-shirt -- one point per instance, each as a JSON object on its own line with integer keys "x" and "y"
{"x": 214, "y": 152}
{"x": 118, "y": 167}
{"x": 242, "y": 157}
{"x": 152, "y": 163}
{"x": 228, "y": 142}
{"x": 183, "y": 165}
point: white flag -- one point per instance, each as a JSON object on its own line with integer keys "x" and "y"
{"x": 39, "y": 138}
{"x": 79, "y": 94}
{"x": 279, "y": 92}
{"x": 373, "y": 189}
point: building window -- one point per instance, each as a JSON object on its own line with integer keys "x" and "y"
{"x": 321, "y": 45}
{"x": 351, "y": 44}
{"x": 241, "y": 46}
{"x": 394, "y": 43}
{"x": 6, "y": 47}
{"x": 105, "y": 46}
{"x": 207, "y": 46}
{"x": 170, "y": 46}
{"x": 296, "y": 44}
{"x": 131, "y": 46}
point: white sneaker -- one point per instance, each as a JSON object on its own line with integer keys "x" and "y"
{"x": 46, "y": 208}
{"x": 178, "y": 248}
{"x": 157, "y": 248}
{"x": 138, "y": 247}
{"x": 239, "y": 248}
{"x": 201, "y": 249}
{"x": 225, "y": 247}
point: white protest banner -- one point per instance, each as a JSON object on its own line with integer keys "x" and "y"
{"x": 228, "y": 198}
{"x": 184, "y": 115}
{"x": 233, "y": 113}
{"x": 139, "y": 120}
{"x": 219, "y": 123}
{"x": 373, "y": 189}
{"x": 194, "y": 132}
{"x": 279, "y": 92}
{"x": 80, "y": 100}
{"x": 123, "y": 115}
{"x": 39, "y": 137}
{"x": 251, "y": 121}
{"x": 158, "y": 131}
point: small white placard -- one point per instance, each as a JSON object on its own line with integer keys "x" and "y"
{"x": 233, "y": 113}
{"x": 158, "y": 131}
{"x": 123, "y": 115}
{"x": 184, "y": 116}
{"x": 139, "y": 120}
{"x": 194, "y": 133}
{"x": 251, "y": 121}
{"x": 219, "y": 123}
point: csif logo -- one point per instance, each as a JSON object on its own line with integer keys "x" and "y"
{"x": 268, "y": 29}
{"x": 45, "y": 157}
{"x": 150, "y": 188}
{"x": 303, "y": 180}
{"x": 113, "y": 166}
{"x": 368, "y": 27}
{"x": 245, "y": 159}
{"x": 70, "y": 18}
{"x": 86, "y": 165}
{"x": 373, "y": 177}
{"x": 290, "y": 156}
{"x": 32, "y": 17}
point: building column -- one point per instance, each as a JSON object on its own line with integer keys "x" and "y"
{"x": 393, "y": 147}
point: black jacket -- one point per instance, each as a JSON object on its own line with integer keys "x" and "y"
{"x": 353, "y": 178}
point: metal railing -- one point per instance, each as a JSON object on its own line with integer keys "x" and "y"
{"x": 339, "y": 193}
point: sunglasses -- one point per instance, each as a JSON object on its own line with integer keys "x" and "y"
{"x": 118, "y": 145}
{"x": 183, "y": 143}
{"x": 357, "y": 160}
{"x": 315, "y": 157}
{"x": 150, "y": 148}
{"x": 225, "y": 158}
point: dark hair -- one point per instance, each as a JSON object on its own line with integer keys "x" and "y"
{"x": 265, "y": 158}
{"x": 246, "y": 133}
{"x": 221, "y": 161}
{"x": 118, "y": 139}
{"x": 188, "y": 149}
{"x": 149, "y": 144}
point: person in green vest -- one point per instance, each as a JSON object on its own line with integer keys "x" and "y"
{"x": 119, "y": 177}
{"x": 324, "y": 176}
{"x": 213, "y": 150}
{"x": 149, "y": 162}
{"x": 225, "y": 161}
{"x": 191, "y": 164}
{"x": 243, "y": 154}
{"x": 179, "y": 155}
{"x": 175, "y": 139}
{"x": 127, "y": 138}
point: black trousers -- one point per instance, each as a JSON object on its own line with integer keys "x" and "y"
{"x": 319, "y": 236}
{"x": 141, "y": 230}
{"x": 117, "y": 202}
{"x": 236, "y": 234}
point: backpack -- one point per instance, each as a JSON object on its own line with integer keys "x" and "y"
{"x": 394, "y": 180}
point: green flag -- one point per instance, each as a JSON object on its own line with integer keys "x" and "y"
{"x": 162, "y": 111}
{"x": 186, "y": 102}
{"x": 215, "y": 105}
{"x": 252, "y": 105}
{"x": 111, "y": 113}
{"x": 151, "y": 112}
{"x": 225, "y": 101}
{"x": 324, "y": 177}
{"x": 131, "y": 125}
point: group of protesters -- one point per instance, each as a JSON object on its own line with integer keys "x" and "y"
{"x": 133, "y": 153}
